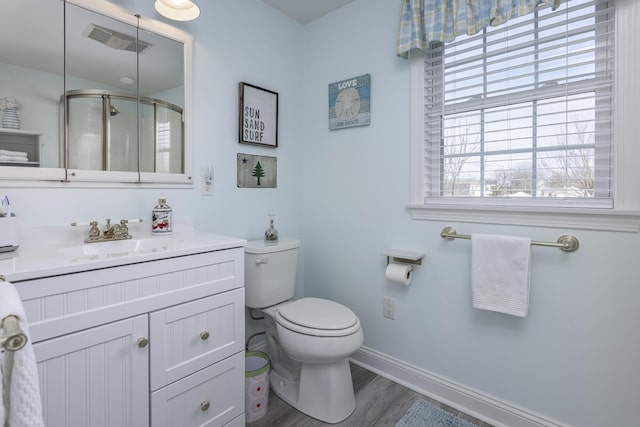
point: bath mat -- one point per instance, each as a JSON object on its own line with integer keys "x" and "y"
{"x": 425, "y": 414}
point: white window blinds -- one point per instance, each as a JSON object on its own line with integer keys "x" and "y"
{"x": 524, "y": 111}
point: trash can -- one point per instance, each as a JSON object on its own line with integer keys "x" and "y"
{"x": 256, "y": 381}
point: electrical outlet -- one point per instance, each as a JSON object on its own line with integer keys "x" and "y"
{"x": 388, "y": 308}
{"x": 206, "y": 188}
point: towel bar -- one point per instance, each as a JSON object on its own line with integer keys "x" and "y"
{"x": 566, "y": 242}
{"x": 14, "y": 339}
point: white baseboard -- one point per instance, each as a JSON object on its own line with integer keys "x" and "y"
{"x": 472, "y": 402}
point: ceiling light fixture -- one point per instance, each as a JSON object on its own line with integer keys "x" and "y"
{"x": 178, "y": 10}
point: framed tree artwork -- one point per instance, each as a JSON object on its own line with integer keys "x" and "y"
{"x": 257, "y": 171}
{"x": 258, "y": 115}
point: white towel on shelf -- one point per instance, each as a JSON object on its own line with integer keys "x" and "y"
{"x": 500, "y": 271}
{"x": 13, "y": 153}
{"x": 5, "y": 158}
{"x": 21, "y": 404}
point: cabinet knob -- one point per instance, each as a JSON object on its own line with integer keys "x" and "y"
{"x": 142, "y": 342}
{"x": 204, "y": 335}
{"x": 204, "y": 405}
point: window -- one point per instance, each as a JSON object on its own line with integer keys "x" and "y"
{"x": 163, "y": 150}
{"x": 524, "y": 110}
{"x": 516, "y": 125}
{"x": 551, "y": 161}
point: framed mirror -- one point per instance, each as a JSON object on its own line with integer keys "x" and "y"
{"x": 32, "y": 77}
{"x": 163, "y": 109}
{"x": 101, "y": 121}
{"x": 120, "y": 84}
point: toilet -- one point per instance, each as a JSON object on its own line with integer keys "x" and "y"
{"x": 309, "y": 340}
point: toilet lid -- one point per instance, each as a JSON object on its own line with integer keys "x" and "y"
{"x": 318, "y": 314}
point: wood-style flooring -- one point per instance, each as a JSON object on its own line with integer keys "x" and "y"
{"x": 379, "y": 402}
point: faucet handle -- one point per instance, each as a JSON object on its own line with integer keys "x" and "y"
{"x": 123, "y": 230}
{"x": 81, "y": 223}
{"x": 94, "y": 231}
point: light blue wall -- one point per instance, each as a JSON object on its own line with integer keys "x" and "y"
{"x": 344, "y": 192}
{"x": 573, "y": 359}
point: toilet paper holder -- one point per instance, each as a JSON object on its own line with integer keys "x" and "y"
{"x": 403, "y": 257}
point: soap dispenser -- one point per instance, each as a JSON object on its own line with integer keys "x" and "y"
{"x": 271, "y": 234}
{"x": 161, "y": 218}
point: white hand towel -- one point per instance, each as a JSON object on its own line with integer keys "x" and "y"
{"x": 13, "y": 153}
{"x": 5, "y": 158}
{"x": 21, "y": 406}
{"x": 500, "y": 270}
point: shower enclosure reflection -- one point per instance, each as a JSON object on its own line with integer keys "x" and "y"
{"x": 102, "y": 128}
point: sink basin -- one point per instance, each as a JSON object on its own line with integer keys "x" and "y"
{"x": 119, "y": 247}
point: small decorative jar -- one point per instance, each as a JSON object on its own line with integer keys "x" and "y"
{"x": 161, "y": 218}
{"x": 10, "y": 119}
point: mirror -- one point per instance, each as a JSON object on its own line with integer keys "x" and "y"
{"x": 32, "y": 73}
{"x": 162, "y": 92}
{"x": 123, "y": 116}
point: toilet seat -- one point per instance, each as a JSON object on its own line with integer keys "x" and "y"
{"x": 317, "y": 317}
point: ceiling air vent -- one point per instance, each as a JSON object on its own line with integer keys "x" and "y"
{"x": 114, "y": 39}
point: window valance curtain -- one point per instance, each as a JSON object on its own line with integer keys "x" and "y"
{"x": 426, "y": 21}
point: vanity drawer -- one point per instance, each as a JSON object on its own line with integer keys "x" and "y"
{"x": 191, "y": 336}
{"x": 213, "y": 397}
{"x": 62, "y": 304}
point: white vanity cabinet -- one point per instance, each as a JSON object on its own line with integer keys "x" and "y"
{"x": 97, "y": 377}
{"x": 154, "y": 343}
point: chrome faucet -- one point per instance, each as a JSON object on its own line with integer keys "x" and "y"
{"x": 110, "y": 231}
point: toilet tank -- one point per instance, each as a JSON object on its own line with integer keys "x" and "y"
{"x": 270, "y": 271}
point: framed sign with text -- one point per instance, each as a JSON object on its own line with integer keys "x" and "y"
{"x": 350, "y": 102}
{"x": 258, "y": 115}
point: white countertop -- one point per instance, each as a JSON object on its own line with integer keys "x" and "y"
{"x": 50, "y": 256}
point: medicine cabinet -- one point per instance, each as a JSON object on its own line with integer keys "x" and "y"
{"x": 104, "y": 93}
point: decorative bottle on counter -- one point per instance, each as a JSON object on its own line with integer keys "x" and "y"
{"x": 161, "y": 218}
{"x": 271, "y": 234}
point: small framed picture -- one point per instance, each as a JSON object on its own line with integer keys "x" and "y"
{"x": 350, "y": 102}
{"x": 257, "y": 171}
{"x": 258, "y": 115}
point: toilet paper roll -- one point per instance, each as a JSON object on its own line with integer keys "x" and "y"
{"x": 399, "y": 273}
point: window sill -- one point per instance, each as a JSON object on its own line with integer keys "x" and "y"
{"x": 587, "y": 219}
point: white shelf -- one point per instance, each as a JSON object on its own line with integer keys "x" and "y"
{"x": 24, "y": 141}
{"x": 9, "y": 131}
{"x": 406, "y": 257}
{"x": 26, "y": 164}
